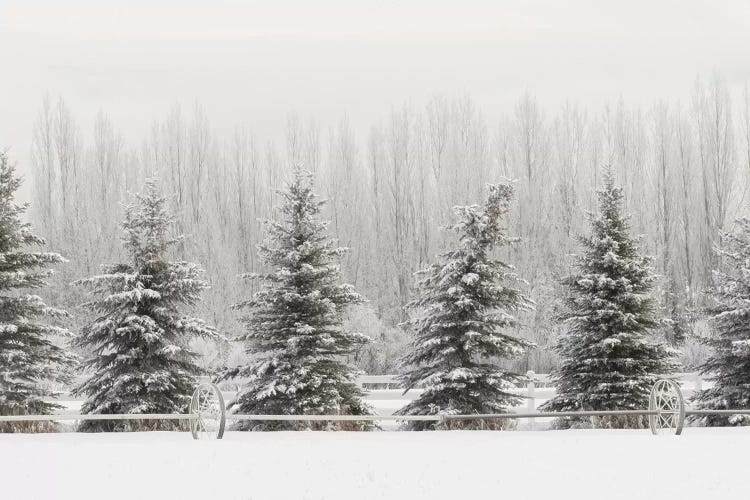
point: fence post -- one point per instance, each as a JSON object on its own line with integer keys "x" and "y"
{"x": 531, "y": 395}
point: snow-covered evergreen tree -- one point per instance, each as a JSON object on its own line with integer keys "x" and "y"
{"x": 139, "y": 342}
{"x": 30, "y": 363}
{"x": 465, "y": 311}
{"x": 294, "y": 327}
{"x": 729, "y": 364}
{"x": 608, "y": 360}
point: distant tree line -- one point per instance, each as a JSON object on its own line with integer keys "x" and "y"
{"x": 683, "y": 168}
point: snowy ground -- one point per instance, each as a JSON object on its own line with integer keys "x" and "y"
{"x": 701, "y": 464}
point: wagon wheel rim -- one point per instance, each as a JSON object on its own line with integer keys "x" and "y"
{"x": 208, "y": 411}
{"x": 667, "y": 402}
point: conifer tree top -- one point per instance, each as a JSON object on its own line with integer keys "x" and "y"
{"x": 481, "y": 227}
{"x": 610, "y": 236}
{"x": 146, "y": 226}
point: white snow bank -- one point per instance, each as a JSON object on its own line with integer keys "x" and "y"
{"x": 703, "y": 463}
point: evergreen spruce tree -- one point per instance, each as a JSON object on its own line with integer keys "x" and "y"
{"x": 294, "y": 327}
{"x": 139, "y": 340}
{"x": 729, "y": 364}
{"x": 465, "y": 308}
{"x": 608, "y": 361}
{"x": 30, "y": 363}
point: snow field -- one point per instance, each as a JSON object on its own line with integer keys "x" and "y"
{"x": 593, "y": 464}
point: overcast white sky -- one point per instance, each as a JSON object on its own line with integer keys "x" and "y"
{"x": 251, "y": 62}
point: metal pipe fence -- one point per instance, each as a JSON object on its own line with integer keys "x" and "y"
{"x": 207, "y": 414}
{"x": 97, "y": 416}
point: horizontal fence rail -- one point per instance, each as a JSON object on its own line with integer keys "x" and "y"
{"x": 334, "y": 418}
{"x": 98, "y": 416}
{"x": 442, "y": 417}
{"x": 207, "y": 414}
{"x": 716, "y": 412}
{"x": 358, "y": 418}
{"x": 353, "y": 418}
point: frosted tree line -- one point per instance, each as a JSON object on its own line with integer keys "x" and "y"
{"x": 683, "y": 168}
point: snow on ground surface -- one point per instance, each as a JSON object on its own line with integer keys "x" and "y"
{"x": 456, "y": 465}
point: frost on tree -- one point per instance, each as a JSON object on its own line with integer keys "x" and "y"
{"x": 294, "y": 330}
{"x": 31, "y": 365}
{"x": 464, "y": 312}
{"x": 139, "y": 342}
{"x": 608, "y": 359}
{"x": 728, "y": 366}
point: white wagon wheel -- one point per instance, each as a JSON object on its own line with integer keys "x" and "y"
{"x": 666, "y": 399}
{"x": 207, "y": 406}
